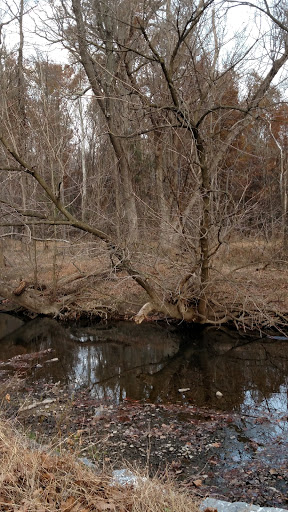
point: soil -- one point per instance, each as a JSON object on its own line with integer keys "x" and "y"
{"x": 211, "y": 453}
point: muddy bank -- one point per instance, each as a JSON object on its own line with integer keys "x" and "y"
{"x": 230, "y": 456}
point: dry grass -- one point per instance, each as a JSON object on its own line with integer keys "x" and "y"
{"x": 248, "y": 276}
{"x": 33, "y": 480}
{"x": 81, "y": 271}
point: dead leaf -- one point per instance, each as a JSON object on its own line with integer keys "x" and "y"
{"x": 102, "y": 505}
{"x": 47, "y": 476}
{"x": 273, "y": 471}
{"x": 72, "y": 505}
{"x": 197, "y": 483}
{"x": 24, "y": 507}
{"x": 79, "y": 508}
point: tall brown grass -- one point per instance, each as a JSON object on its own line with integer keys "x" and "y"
{"x": 34, "y": 480}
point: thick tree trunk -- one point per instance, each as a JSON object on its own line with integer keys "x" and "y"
{"x": 130, "y": 211}
{"x": 205, "y": 226}
{"x": 160, "y": 194}
{"x": 83, "y": 162}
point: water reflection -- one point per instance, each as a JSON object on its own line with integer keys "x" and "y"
{"x": 123, "y": 360}
{"x": 8, "y": 324}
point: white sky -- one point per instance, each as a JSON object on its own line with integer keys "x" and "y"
{"x": 33, "y": 42}
{"x": 238, "y": 18}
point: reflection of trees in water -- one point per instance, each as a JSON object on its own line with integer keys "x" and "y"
{"x": 259, "y": 367}
{"x": 114, "y": 368}
{"x": 116, "y": 365}
{"x": 38, "y": 335}
{"x": 8, "y": 324}
{"x": 110, "y": 368}
{"x": 146, "y": 362}
{"x": 229, "y": 364}
{"x": 266, "y": 366}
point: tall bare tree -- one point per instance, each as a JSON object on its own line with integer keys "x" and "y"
{"x": 165, "y": 89}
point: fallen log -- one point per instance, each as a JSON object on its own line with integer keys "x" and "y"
{"x": 30, "y": 299}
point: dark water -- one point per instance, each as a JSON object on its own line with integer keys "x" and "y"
{"x": 123, "y": 360}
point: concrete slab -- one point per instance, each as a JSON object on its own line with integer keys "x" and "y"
{"x": 239, "y": 506}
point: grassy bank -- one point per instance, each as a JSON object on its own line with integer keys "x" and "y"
{"x": 37, "y": 480}
{"x": 247, "y": 285}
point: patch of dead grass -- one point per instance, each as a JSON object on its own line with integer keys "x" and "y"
{"x": 33, "y": 480}
{"x": 246, "y": 275}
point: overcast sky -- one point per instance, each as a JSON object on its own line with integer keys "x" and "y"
{"x": 238, "y": 18}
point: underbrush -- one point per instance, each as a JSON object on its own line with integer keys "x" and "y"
{"x": 37, "y": 480}
{"x": 247, "y": 284}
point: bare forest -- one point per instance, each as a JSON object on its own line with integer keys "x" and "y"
{"x": 144, "y": 172}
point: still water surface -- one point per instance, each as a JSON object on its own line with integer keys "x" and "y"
{"x": 157, "y": 363}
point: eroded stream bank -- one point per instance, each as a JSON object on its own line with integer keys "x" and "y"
{"x": 149, "y": 394}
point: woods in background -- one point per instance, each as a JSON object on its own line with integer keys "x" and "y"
{"x": 163, "y": 125}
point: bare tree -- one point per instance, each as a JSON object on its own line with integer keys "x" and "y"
{"x": 165, "y": 90}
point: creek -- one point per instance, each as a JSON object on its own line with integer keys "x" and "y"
{"x": 211, "y": 403}
{"x": 157, "y": 363}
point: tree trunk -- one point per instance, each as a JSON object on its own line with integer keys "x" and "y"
{"x": 83, "y": 162}
{"x": 205, "y": 225}
{"x": 130, "y": 211}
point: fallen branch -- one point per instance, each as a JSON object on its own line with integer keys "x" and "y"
{"x": 20, "y": 289}
{"x": 32, "y": 300}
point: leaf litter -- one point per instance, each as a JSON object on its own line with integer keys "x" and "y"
{"x": 223, "y": 455}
